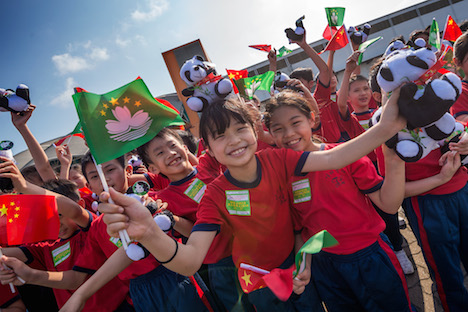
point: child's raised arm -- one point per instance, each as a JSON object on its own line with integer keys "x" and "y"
{"x": 65, "y": 206}
{"x": 344, "y": 154}
{"x": 127, "y": 213}
{"x": 65, "y": 158}
{"x": 342, "y": 97}
{"x": 110, "y": 269}
{"x": 40, "y": 158}
{"x": 324, "y": 74}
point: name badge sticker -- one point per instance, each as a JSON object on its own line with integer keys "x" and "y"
{"x": 301, "y": 191}
{"x": 238, "y": 203}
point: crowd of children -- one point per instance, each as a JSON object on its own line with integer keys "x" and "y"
{"x": 271, "y": 176}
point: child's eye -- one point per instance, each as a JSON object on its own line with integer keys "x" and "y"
{"x": 93, "y": 177}
{"x": 276, "y": 130}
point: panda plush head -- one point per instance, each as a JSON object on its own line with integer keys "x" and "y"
{"x": 298, "y": 33}
{"x": 359, "y": 35}
{"x": 16, "y": 102}
{"x": 195, "y": 70}
{"x": 404, "y": 65}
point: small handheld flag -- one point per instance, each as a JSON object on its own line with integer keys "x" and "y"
{"x": 434, "y": 35}
{"x": 248, "y": 86}
{"x": 335, "y": 16}
{"x": 338, "y": 41}
{"x": 363, "y": 46}
{"x": 261, "y": 47}
{"x": 451, "y": 30}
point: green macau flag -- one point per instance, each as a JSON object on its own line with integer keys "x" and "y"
{"x": 119, "y": 121}
{"x": 248, "y": 86}
{"x": 434, "y": 35}
{"x": 335, "y": 16}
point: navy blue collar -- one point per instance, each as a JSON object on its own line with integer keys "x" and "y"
{"x": 246, "y": 185}
{"x": 191, "y": 175}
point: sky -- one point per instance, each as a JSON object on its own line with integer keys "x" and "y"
{"x": 53, "y": 46}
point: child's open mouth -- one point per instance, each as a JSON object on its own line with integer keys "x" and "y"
{"x": 237, "y": 151}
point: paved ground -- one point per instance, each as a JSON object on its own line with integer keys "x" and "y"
{"x": 422, "y": 292}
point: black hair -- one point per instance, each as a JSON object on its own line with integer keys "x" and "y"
{"x": 63, "y": 187}
{"x": 30, "y": 173}
{"x": 216, "y": 118}
{"x": 373, "y": 71}
{"x": 285, "y": 98}
{"x": 355, "y": 78}
{"x": 143, "y": 149}
{"x": 88, "y": 159}
{"x": 463, "y": 26}
{"x": 304, "y": 73}
{"x": 460, "y": 47}
{"x": 189, "y": 140}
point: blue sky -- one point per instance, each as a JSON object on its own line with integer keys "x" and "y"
{"x": 53, "y": 46}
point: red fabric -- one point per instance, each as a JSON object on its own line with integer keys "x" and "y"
{"x": 279, "y": 281}
{"x": 337, "y": 202}
{"x": 86, "y": 195}
{"x": 428, "y": 167}
{"x": 159, "y": 182}
{"x": 332, "y": 128}
{"x": 7, "y": 297}
{"x": 460, "y": 107}
{"x": 261, "y": 47}
{"x": 60, "y": 141}
{"x": 262, "y": 234}
{"x": 327, "y": 34}
{"x": 28, "y": 219}
{"x": 99, "y": 246}
{"x": 451, "y": 31}
{"x": 236, "y": 74}
{"x": 168, "y": 104}
{"x": 250, "y": 281}
{"x": 338, "y": 41}
{"x": 65, "y": 253}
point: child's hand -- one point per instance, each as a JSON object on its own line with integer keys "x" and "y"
{"x": 461, "y": 146}
{"x": 450, "y": 163}
{"x": 126, "y": 214}
{"x": 19, "y": 120}
{"x": 302, "y": 42}
{"x": 301, "y": 281}
{"x": 64, "y": 155}
{"x": 272, "y": 56}
{"x": 8, "y": 169}
{"x": 16, "y": 268}
{"x": 351, "y": 62}
{"x": 391, "y": 117}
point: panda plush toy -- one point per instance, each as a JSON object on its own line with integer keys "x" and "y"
{"x": 424, "y": 107}
{"x": 298, "y": 33}
{"x": 15, "y": 102}
{"x": 359, "y": 35}
{"x": 205, "y": 87}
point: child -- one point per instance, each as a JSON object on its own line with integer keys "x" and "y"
{"x": 459, "y": 109}
{"x": 338, "y": 201}
{"x": 250, "y": 199}
{"x": 165, "y": 154}
{"x": 335, "y": 124}
{"x": 60, "y": 255}
{"x": 144, "y": 276}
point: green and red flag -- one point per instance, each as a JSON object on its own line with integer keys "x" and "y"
{"x": 338, "y": 41}
{"x": 121, "y": 120}
{"x": 280, "y": 281}
{"x": 363, "y": 46}
{"x": 434, "y": 35}
{"x": 236, "y": 74}
{"x": 328, "y": 32}
{"x": 77, "y": 132}
{"x": 451, "y": 30}
{"x": 261, "y": 47}
{"x": 283, "y": 51}
{"x": 335, "y": 16}
{"x": 28, "y": 219}
{"x": 248, "y": 86}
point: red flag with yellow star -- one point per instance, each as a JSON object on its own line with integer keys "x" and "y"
{"x": 338, "y": 41}
{"x": 28, "y": 219}
{"x": 121, "y": 120}
{"x": 451, "y": 31}
{"x": 236, "y": 74}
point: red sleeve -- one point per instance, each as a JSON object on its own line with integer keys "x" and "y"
{"x": 365, "y": 175}
{"x": 460, "y": 107}
{"x": 159, "y": 182}
{"x": 36, "y": 251}
{"x": 92, "y": 256}
{"x": 208, "y": 167}
{"x": 322, "y": 93}
{"x": 7, "y": 297}
{"x": 208, "y": 210}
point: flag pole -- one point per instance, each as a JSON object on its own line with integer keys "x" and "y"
{"x": 124, "y": 238}
{"x": 349, "y": 39}
{"x": 445, "y": 27}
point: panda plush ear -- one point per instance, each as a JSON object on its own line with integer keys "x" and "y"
{"x": 199, "y": 58}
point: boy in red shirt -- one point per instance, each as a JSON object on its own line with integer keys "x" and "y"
{"x": 251, "y": 199}
{"x": 57, "y": 256}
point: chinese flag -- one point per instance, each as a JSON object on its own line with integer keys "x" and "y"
{"x": 451, "y": 31}
{"x": 261, "y": 47}
{"x": 328, "y": 33}
{"x": 236, "y": 74}
{"x": 28, "y": 219}
{"x": 338, "y": 41}
{"x": 280, "y": 281}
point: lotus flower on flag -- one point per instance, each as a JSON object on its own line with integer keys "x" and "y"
{"x": 128, "y": 127}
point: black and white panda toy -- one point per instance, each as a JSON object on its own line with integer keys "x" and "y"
{"x": 15, "y": 102}
{"x": 425, "y": 107}
{"x": 204, "y": 86}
